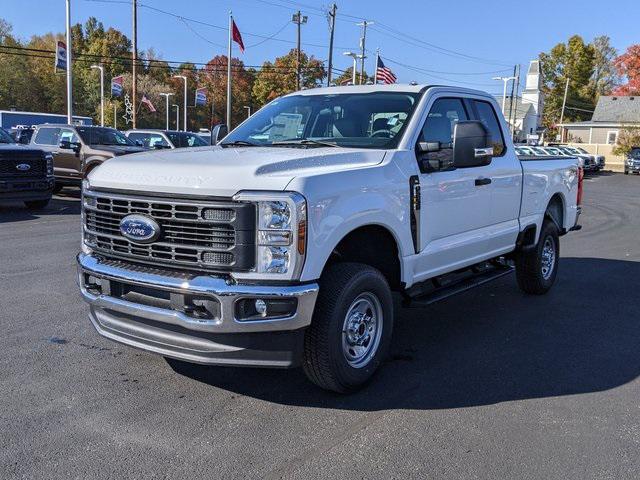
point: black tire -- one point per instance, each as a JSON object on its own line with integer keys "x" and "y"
{"x": 531, "y": 274}
{"x": 325, "y": 359}
{"x": 626, "y": 172}
{"x": 36, "y": 204}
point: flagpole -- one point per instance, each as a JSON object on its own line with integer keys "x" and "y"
{"x": 229, "y": 73}
{"x": 375, "y": 75}
{"x": 69, "y": 66}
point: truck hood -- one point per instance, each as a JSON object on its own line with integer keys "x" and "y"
{"x": 217, "y": 171}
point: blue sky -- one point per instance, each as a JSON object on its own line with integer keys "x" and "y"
{"x": 468, "y": 41}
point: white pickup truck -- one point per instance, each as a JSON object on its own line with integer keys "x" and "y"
{"x": 282, "y": 245}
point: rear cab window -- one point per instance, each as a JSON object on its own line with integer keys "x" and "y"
{"x": 487, "y": 115}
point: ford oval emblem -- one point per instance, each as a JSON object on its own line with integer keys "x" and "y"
{"x": 140, "y": 228}
{"x": 23, "y": 167}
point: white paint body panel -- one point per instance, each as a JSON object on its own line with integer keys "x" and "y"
{"x": 461, "y": 223}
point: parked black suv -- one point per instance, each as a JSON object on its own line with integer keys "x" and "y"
{"x": 26, "y": 173}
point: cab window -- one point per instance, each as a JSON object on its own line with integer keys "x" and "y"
{"x": 69, "y": 135}
{"x": 487, "y": 115}
{"x": 48, "y": 136}
{"x": 439, "y": 126}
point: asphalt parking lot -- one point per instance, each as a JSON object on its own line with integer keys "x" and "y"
{"x": 489, "y": 384}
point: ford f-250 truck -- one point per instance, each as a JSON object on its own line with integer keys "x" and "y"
{"x": 282, "y": 245}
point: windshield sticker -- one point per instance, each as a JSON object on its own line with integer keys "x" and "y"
{"x": 285, "y": 126}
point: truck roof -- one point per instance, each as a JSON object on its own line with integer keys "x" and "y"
{"x": 396, "y": 87}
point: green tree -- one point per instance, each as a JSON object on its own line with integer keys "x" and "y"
{"x": 573, "y": 60}
{"x": 628, "y": 138}
{"x": 605, "y": 77}
{"x": 279, "y": 78}
{"x": 347, "y": 77}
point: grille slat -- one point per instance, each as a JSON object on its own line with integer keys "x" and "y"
{"x": 189, "y": 237}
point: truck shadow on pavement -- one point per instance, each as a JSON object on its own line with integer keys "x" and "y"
{"x": 490, "y": 345}
{"x": 65, "y": 203}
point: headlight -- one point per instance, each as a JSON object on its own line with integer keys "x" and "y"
{"x": 281, "y": 234}
{"x": 49, "y": 159}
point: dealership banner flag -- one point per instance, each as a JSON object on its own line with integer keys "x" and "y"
{"x": 116, "y": 86}
{"x": 61, "y": 56}
{"x": 201, "y": 96}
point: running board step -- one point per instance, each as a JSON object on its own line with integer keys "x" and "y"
{"x": 458, "y": 287}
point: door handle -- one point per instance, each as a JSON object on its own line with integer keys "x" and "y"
{"x": 482, "y": 181}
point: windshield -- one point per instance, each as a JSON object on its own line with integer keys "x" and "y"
{"x": 185, "y": 140}
{"x": 5, "y": 137}
{"x": 359, "y": 120}
{"x": 103, "y": 136}
{"x": 538, "y": 151}
{"x": 571, "y": 151}
{"x": 581, "y": 150}
{"x": 635, "y": 153}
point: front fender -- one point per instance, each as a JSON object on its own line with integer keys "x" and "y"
{"x": 339, "y": 203}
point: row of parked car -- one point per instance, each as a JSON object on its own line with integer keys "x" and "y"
{"x": 37, "y": 161}
{"x": 590, "y": 163}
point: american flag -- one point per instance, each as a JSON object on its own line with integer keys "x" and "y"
{"x": 384, "y": 73}
{"x": 148, "y": 103}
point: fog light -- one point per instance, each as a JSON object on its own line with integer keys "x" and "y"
{"x": 261, "y": 307}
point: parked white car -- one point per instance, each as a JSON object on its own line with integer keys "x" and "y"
{"x": 159, "y": 139}
{"x": 282, "y": 245}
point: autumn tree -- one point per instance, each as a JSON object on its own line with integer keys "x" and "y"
{"x": 573, "y": 60}
{"x": 628, "y": 138}
{"x": 628, "y": 66}
{"x": 214, "y": 77}
{"x": 279, "y": 78}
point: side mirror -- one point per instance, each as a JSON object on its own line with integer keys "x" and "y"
{"x": 218, "y": 133}
{"x": 471, "y": 145}
{"x": 428, "y": 147}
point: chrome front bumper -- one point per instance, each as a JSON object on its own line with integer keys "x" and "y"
{"x": 222, "y": 339}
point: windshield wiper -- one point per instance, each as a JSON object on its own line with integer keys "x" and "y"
{"x": 239, "y": 143}
{"x": 306, "y": 142}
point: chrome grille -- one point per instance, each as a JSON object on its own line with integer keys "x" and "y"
{"x": 209, "y": 235}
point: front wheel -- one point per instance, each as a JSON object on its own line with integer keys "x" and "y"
{"x": 536, "y": 269}
{"x": 351, "y": 328}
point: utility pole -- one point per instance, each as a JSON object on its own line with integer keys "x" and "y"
{"x": 101, "y": 68}
{"x": 166, "y": 96}
{"x": 299, "y": 20}
{"x": 332, "y": 14}
{"x": 184, "y": 115}
{"x": 513, "y": 109}
{"x": 564, "y": 103}
{"x": 134, "y": 79}
{"x": 69, "y": 60}
{"x": 363, "y": 40}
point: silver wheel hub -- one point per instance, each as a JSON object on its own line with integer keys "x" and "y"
{"x": 362, "y": 330}
{"x": 548, "y": 257}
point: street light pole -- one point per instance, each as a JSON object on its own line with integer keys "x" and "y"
{"x": 504, "y": 91}
{"x": 248, "y": 109}
{"x": 101, "y": 68}
{"x": 134, "y": 78}
{"x": 184, "y": 115}
{"x": 69, "y": 60}
{"x": 177, "y": 116}
{"x": 166, "y": 96}
{"x": 355, "y": 57}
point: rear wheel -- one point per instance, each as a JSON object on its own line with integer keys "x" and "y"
{"x": 351, "y": 328}
{"x": 536, "y": 269}
{"x": 36, "y": 204}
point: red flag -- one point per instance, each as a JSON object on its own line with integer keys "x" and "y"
{"x": 148, "y": 103}
{"x": 236, "y": 35}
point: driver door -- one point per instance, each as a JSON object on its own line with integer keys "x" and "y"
{"x": 455, "y": 204}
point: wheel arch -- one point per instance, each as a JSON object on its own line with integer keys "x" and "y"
{"x": 372, "y": 244}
